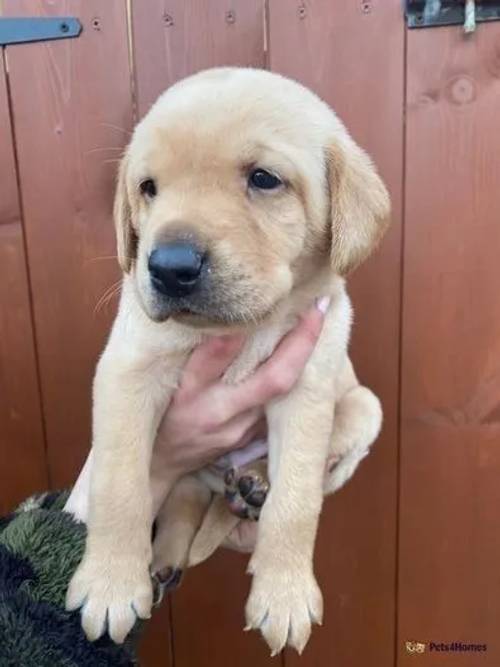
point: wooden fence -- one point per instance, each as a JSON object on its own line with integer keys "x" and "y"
{"x": 409, "y": 550}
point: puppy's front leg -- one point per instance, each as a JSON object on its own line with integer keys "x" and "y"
{"x": 285, "y": 599}
{"x": 112, "y": 583}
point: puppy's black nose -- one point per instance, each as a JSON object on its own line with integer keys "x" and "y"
{"x": 175, "y": 268}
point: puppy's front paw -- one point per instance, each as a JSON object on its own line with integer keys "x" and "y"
{"x": 111, "y": 595}
{"x": 284, "y": 604}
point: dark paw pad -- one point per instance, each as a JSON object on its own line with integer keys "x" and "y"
{"x": 246, "y": 492}
{"x": 253, "y": 490}
{"x": 165, "y": 581}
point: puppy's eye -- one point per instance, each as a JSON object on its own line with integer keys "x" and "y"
{"x": 148, "y": 188}
{"x": 261, "y": 179}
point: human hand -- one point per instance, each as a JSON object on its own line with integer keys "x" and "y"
{"x": 207, "y": 417}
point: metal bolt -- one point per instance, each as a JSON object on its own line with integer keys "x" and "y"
{"x": 96, "y": 23}
{"x": 64, "y": 27}
{"x": 302, "y": 12}
{"x": 419, "y": 18}
{"x": 366, "y": 7}
{"x": 168, "y": 20}
{"x": 230, "y": 17}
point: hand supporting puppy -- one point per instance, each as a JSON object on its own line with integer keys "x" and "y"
{"x": 208, "y": 418}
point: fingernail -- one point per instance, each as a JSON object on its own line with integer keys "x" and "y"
{"x": 322, "y": 304}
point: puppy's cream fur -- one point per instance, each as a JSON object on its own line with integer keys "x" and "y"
{"x": 271, "y": 254}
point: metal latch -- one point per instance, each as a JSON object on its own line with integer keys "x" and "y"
{"x": 37, "y": 29}
{"x": 429, "y": 13}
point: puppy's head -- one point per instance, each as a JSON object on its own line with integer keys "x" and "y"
{"x": 238, "y": 186}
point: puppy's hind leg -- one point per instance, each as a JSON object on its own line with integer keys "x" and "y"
{"x": 358, "y": 419}
{"x": 176, "y": 525}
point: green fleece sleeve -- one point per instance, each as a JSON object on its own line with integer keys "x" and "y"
{"x": 40, "y": 547}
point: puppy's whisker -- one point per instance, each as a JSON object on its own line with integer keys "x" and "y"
{"x": 107, "y": 258}
{"x": 104, "y": 302}
{"x": 117, "y": 127}
{"x": 104, "y": 257}
{"x": 112, "y": 160}
{"x": 102, "y": 149}
{"x": 109, "y": 293}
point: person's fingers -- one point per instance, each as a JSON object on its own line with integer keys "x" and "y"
{"x": 207, "y": 364}
{"x": 231, "y": 434}
{"x": 237, "y": 433}
{"x": 280, "y": 372}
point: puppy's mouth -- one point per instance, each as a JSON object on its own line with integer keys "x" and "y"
{"x": 217, "y": 320}
{"x": 208, "y": 311}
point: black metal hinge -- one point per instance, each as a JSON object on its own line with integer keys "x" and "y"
{"x": 429, "y": 13}
{"x": 37, "y": 29}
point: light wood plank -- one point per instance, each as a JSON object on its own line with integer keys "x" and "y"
{"x": 352, "y": 54}
{"x": 449, "y": 539}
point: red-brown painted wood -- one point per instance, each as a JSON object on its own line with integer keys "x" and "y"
{"x": 68, "y": 152}
{"x": 72, "y": 105}
{"x": 450, "y": 466}
{"x": 177, "y": 38}
{"x": 22, "y": 456}
{"x": 352, "y": 54}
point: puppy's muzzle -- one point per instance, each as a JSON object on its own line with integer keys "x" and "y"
{"x": 176, "y": 268}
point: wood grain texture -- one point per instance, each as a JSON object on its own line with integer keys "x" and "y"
{"x": 176, "y": 38}
{"x": 208, "y": 617}
{"x": 354, "y": 59}
{"x": 68, "y": 152}
{"x": 449, "y": 539}
{"x": 156, "y": 645}
{"x": 9, "y": 197}
{"x": 171, "y": 41}
{"x": 22, "y": 453}
{"x": 72, "y": 121}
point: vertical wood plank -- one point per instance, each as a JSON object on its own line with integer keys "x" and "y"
{"x": 449, "y": 538}
{"x": 9, "y": 198}
{"x": 73, "y": 112}
{"x": 23, "y": 467}
{"x": 68, "y": 152}
{"x": 172, "y": 40}
{"x": 352, "y": 54}
{"x": 156, "y": 644}
{"x": 176, "y": 38}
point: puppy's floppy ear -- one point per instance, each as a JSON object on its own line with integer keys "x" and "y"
{"x": 360, "y": 205}
{"x": 126, "y": 240}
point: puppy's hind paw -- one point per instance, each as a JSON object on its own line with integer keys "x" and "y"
{"x": 246, "y": 491}
{"x": 165, "y": 580}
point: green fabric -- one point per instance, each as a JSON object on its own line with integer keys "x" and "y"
{"x": 40, "y": 547}
{"x": 54, "y": 543}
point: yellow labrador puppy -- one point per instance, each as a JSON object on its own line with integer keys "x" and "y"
{"x": 241, "y": 198}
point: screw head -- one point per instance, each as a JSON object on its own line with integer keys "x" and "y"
{"x": 302, "y": 11}
{"x": 64, "y": 27}
{"x": 230, "y": 16}
{"x": 168, "y": 20}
